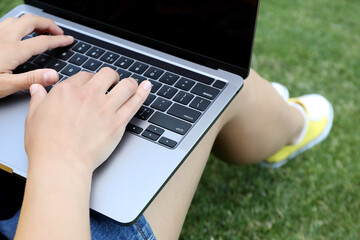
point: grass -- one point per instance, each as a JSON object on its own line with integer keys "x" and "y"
{"x": 310, "y": 46}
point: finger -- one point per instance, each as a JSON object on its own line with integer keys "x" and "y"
{"x": 121, "y": 93}
{"x": 34, "y": 46}
{"x": 103, "y": 80}
{"x": 18, "y": 82}
{"x": 80, "y": 78}
{"x": 129, "y": 109}
{"x": 38, "y": 94}
{"x": 28, "y": 23}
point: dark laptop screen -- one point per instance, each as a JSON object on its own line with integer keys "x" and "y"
{"x": 220, "y": 30}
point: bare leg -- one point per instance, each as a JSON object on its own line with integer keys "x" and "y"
{"x": 255, "y": 125}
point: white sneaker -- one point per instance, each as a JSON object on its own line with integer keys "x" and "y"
{"x": 319, "y": 115}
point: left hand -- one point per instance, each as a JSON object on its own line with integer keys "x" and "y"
{"x": 14, "y": 51}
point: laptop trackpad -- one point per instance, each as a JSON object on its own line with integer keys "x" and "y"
{"x": 13, "y": 111}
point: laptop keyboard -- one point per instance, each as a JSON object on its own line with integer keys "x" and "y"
{"x": 178, "y": 97}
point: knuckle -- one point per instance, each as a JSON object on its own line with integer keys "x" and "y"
{"x": 50, "y": 21}
{"x": 133, "y": 82}
{"x": 30, "y": 79}
{"x": 110, "y": 71}
{"x": 29, "y": 18}
{"x": 130, "y": 85}
{"x": 42, "y": 38}
{"x": 84, "y": 75}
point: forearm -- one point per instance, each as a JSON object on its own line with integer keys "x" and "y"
{"x": 56, "y": 203}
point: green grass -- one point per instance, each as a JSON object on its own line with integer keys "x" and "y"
{"x": 310, "y": 46}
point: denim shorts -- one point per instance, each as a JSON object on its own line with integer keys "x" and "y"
{"x": 101, "y": 228}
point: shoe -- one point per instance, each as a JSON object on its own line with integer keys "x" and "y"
{"x": 282, "y": 90}
{"x": 319, "y": 114}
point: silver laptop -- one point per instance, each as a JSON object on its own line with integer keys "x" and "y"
{"x": 195, "y": 53}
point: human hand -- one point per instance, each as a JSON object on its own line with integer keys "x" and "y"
{"x": 14, "y": 52}
{"x": 77, "y": 123}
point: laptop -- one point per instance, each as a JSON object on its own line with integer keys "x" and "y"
{"x": 195, "y": 53}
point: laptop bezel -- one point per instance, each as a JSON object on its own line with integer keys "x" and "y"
{"x": 161, "y": 46}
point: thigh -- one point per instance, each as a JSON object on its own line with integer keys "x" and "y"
{"x": 166, "y": 214}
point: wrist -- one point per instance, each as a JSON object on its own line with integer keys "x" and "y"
{"x": 71, "y": 166}
{"x": 56, "y": 194}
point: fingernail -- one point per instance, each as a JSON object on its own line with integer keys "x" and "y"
{"x": 33, "y": 89}
{"x": 70, "y": 37}
{"x": 146, "y": 85}
{"x": 50, "y": 77}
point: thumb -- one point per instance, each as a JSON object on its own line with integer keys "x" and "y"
{"x": 23, "y": 81}
{"x": 38, "y": 94}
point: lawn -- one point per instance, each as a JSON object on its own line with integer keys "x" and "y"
{"x": 310, "y": 46}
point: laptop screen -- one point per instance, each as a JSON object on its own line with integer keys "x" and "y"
{"x": 217, "y": 33}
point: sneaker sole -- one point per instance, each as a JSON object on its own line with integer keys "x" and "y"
{"x": 312, "y": 143}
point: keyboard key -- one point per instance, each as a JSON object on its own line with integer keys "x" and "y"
{"x": 25, "y": 67}
{"x": 138, "y": 67}
{"x": 57, "y": 64}
{"x": 167, "y": 142}
{"x": 135, "y": 129}
{"x": 150, "y": 135}
{"x": 155, "y": 129}
{"x": 183, "y": 97}
{"x": 149, "y": 99}
{"x": 123, "y": 73}
{"x": 48, "y": 88}
{"x": 219, "y": 84}
{"x": 138, "y": 78}
{"x": 169, "y": 78}
{"x": 109, "y": 57}
{"x": 153, "y": 73}
{"x": 185, "y": 84}
{"x": 92, "y": 64}
{"x": 42, "y": 60}
{"x": 124, "y": 62}
{"x": 167, "y": 92}
{"x": 81, "y": 47}
{"x": 52, "y": 52}
{"x": 155, "y": 86}
{"x": 205, "y": 91}
{"x": 78, "y": 59}
{"x": 70, "y": 70}
{"x": 64, "y": 55}
{"x": 170, "y": 123}
{"x": 95, "y": 52}
{"x": 32, "y": 58}
{"x": 108, "y": 65}
{"x": 161, "y": 104}
{"x": 205, "y": 79}
{"x": 200, "y": 103}
{"x": 183, "y": 112}
{"x": 144, "y": 113}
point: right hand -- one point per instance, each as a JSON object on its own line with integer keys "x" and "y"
{"x": 77, "y": 123}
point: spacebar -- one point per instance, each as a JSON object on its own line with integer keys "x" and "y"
{"x": 170, "y": 123}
